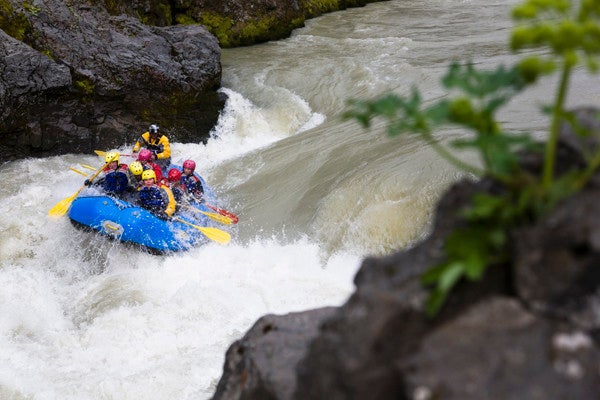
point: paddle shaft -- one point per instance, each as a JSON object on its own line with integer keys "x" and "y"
{"x": 226, "y": 213}
{"x": 78, "y": 171}
{"x": 103, "y": 153}
{"x": 216, "y": 217}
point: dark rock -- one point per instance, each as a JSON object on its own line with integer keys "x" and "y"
{"x": 97, "y": 81}
{"x": 499, "y": 350}
{"x": 556, "y": 261}
{"x": 29, "y": 77}
{"x": 261, "y": 364}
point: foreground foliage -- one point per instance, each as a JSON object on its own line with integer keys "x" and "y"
{"x": 569, "y": 33}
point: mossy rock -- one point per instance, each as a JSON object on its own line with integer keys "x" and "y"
{"x": 314, "y": 8}
{"x": 13, "y": 23}
{"x": 232, "y": 33}
{"x": 245, "y": 24}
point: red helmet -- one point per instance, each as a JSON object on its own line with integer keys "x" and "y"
{"x": 145, "y": 155}
{"x": 191, "y": 164}
{"x": 174, "y": 175}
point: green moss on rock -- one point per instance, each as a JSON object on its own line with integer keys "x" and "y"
{"x": 114, "y": 7}
{"x": 13, "y": 23}
{"x": 48, "y": 54}
{"x": 315, "y": 8}
{"x": 184, "y": 19}
{"x": 163, "y": 10}
{"x": 86, "y": 88}
{"x": 219, "y": 26}
{"x": 230, "y": 33}
{"x": 31, "y": 8}
{"x": 85, "y": 85}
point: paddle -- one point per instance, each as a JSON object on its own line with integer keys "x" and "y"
{"x": 88, "y": 167}
{"x": 216, "y": 217}
{"x": 226, "y": 213}
{"x": 215, "y": 234}
{"x": 62, "y": 206}
{"x": 103, "y": 153}
{"x": 78, "y": 171}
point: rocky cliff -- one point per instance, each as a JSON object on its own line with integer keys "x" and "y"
{"x": 76, "y": 78}
{"x": 233, "y": 22}
{"x": 80, "y": 75}
{"x": 527, "y": 330}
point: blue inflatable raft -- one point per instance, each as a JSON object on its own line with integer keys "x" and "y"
{"x": 129, "y": 223}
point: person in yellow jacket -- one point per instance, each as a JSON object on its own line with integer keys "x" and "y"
{"x": 158, "y": 144}
{"x": 159, "y": 200}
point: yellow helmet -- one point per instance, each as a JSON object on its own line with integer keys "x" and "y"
{"x": 111, "y": 156}
{"x": 148, "y": 174}
{"x": 136, "y": 168}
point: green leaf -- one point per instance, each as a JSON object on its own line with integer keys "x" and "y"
{"x": 484, "y": 206}
{"x": 433, "y": 275}
{"x": 450, "y": 275}
{"x": 435, "y": 301}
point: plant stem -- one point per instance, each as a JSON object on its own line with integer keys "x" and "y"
{"x": 593, "y": 164}
{"x": 551, "y": 143}
{"x": 450, "y": 158}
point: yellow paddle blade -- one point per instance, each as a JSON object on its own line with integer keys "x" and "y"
{"x": 215, "y": 234}
{"x": 100, "y": 152}
{"x": 217, "y": 217}
{"x": 62, "y": 206}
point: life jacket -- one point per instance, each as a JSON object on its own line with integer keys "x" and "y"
{"x": 159, "y": 146}
{"x": 192, "y": 184}
{"x": 179, "y": 192}
{"x": 157, "y": 199}
{"x": 115, "y": 182}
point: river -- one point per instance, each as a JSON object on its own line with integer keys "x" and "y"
{"x": 82, "y": 317}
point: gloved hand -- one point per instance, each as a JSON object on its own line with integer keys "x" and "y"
{"x": 155, "y": 154}
{"x": 87, "y": 182}
{"x": 165, "y": 216}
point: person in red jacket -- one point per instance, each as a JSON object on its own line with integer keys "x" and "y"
{"x": 179, "y": 191}
{"x": 145, "y": 158}
{"x": 191, "y": 182}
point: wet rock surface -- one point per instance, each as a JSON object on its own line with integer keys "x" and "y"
{"x": 80, "y": 79}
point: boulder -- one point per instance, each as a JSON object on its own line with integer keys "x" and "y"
{"x": 261, "y": 364}
{"x": 92, "y": 80}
